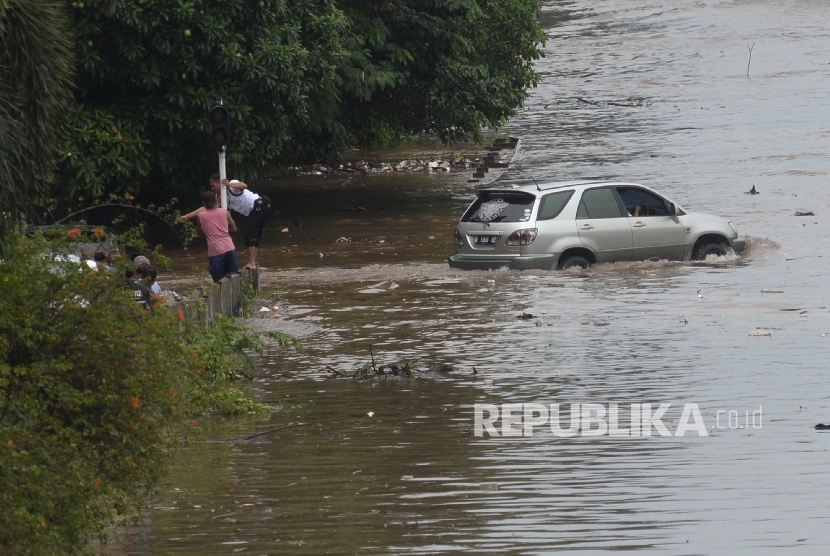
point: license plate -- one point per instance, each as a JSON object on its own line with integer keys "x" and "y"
{"x": 487, "y": 241}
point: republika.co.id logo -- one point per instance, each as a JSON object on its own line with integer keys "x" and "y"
{"x": 592, "y": 419}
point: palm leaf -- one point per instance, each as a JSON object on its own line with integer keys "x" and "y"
{"x": 36, "y": 98}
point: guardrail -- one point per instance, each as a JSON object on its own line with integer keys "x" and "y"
{"x": 222, "y": 298}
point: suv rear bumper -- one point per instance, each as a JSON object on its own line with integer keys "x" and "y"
{"x": 524, "y": 262}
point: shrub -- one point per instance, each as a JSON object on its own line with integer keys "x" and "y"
{"x": 95, "y": 395}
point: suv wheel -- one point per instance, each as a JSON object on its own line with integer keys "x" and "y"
{"x": 574, "y": 260}
{"x": 707, "y": 248}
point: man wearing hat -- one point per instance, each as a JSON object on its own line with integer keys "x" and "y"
{"x": 216, "y": 224}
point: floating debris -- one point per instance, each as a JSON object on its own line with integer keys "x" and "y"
{"x": 760, "y": 332}
{"x": 752, "y": 191}
{"x": 772, "y": 291}
{"x": 441, "y": 368}
{"x": 808, "y": 213}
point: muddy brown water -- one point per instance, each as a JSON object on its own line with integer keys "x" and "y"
{"x": 411, "y": 478}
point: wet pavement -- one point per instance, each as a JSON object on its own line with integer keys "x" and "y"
{"x": 649, "y": 92}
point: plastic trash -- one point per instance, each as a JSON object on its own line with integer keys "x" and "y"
{"x": 760, "y": 332}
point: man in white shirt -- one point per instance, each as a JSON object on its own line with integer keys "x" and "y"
{"x": 256, "y": 207}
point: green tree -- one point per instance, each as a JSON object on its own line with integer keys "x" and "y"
{"x": 36, "y": 90}
{"x": 447, "y": 67}
{"x": 149, "y": 69}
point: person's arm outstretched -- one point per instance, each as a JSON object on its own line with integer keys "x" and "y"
{"x": 189, "y": 215}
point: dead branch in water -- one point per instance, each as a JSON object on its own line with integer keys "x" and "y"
{"x": 335, "y": 371}
{"x": 750, "y": 58}
{"x": 291, "y": 426}
{"x": 371, "y": 370}
{"x": 611, "y": 103}
{"x": 624, "y": 105}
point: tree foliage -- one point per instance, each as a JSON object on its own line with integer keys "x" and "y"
{"x": 36, "y": 89}
{"x": 149, "y": 70}
{"x": 95, "y": 395}
{"x": 303, "y": 79}
{"x": 446, "y": 67}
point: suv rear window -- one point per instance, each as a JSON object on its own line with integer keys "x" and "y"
{"x": 495, "y": 206}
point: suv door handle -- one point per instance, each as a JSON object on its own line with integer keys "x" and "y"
{"x": 638, "y": 225}
{"x": 587, "y": 227}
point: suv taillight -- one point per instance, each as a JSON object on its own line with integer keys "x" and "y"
{"x": 522, "y": 237}
{"x": 457, "y": 238}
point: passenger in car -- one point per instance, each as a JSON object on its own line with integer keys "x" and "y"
{"x": 639, "y": 210}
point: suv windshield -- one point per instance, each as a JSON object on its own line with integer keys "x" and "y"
{"x": 496, "y": 206}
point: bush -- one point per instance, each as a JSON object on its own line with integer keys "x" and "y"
{"x": 95, "y": 395}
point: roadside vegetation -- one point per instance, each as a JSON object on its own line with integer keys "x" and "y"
{"x": 96, "y": 394}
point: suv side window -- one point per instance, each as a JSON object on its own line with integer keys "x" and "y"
{"x": 649, "y": 204}
{"x": 599, "y": 203}
{"x": 551, "y": 205}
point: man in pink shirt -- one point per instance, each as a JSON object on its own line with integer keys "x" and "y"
{"x": 216, "y": 223}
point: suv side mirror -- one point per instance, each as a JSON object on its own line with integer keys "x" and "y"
{"x": 672, "y": 209}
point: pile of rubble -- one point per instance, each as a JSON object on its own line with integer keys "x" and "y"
{"x": 479, "y": 166}
{"x": 409, "y": 165}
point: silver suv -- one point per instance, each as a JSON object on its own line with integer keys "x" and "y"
{"x": 578, "y": 223}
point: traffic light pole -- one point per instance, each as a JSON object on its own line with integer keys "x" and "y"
{"x": 222, "y": 176}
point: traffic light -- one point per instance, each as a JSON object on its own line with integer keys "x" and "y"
{"x": 220, "y": 125}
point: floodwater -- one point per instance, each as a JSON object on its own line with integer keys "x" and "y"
{"x": 391, "y": 466}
